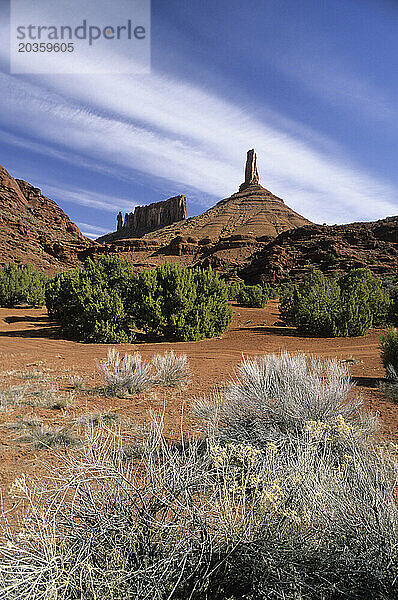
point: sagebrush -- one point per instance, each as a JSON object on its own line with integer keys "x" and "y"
{"x": 389, "y": 351}
{"x": 287, "y": 498}
{"x": 275, "y": 396}
{"x": 131, "y": 374}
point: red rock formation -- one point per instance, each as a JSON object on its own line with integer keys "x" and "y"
{"x": 149, "y": 218}
{"x": 33, "y": 229}
{"x": 332, "y": 249}
{"x": 228, "y": 233}
{"x": 251, "y": 173}
{"x": 252, "y": 211}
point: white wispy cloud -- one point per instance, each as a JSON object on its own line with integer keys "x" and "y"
{"x": 170, "y": 129}
{"x": 92, "y": 228}
{"x": 91, "y": 231}
{"x": 88, "y": 198}
{"x": 338, "y": 85}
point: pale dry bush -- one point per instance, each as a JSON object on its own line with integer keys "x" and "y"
{"x": 49, "y": 398}
{"x": 77, "y": 382}
{"x": 132, "y": 375}
{"x": 25, "y": 423}
{"x": 12, "y": 396}
{"x": 46, "y": 437}
{"x": 221, "y": 522}
{"x": 390, "y": 386}
{"x": 36, "y": 375}
{"x": 107, "y": 529}
{"x": 171, "y": 370}
{"x": 128, "y": 374}
{"x": 308, "y": 513}
{"x": 275, "y": 395}
{"x": 101, "y": 418}
{"x": 32, "y": 395}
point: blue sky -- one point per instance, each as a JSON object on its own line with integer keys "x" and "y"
{"x": 312, "y": 85}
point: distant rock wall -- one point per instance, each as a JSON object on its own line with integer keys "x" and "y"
{"x": 153, "y": 216}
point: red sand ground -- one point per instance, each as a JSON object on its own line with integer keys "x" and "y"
{"x": 26, "y": 345}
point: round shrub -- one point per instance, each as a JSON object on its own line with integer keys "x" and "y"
{"x": 394, "y": 305}
{"x": 347, "y": 306}
{"x": 252, "y": 296}
{"x": 389, "y": 350}
{"x": 89, "y": 302}
{"x": 21, "y": 285}
{"x": 179, "y": 303}
{"x": 312, "y": 305}
{"x": 365, "y": 292}
{"x": 233, "y": 290}
{"x": 104, "y": 301}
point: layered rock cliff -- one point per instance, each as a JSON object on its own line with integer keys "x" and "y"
{"x": 252, "y": 211}
{"x": 149, "y": 218}
{"x": 34, "y": 229}
{"x": 226, "y": 234}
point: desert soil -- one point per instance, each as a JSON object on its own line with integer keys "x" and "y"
{"x": 29, "y": 344}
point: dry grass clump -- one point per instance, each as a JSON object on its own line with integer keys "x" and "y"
{"x": 309, "y": 512}
{"x": 389, "y": 351}
{"x": 36, "y": 376}
{"x": 23, "y": 423}
{"x": 171, "y": 370}
{"x": 125, "y": 375}
{"x": 44, "y": 436}
{"x": 390, "y": 386}
{"x": 48, "y": 398}
{"x": 12, "y": 396}
{"x": 274, "y": 396}
{"x": 32, "y": 395}
{"x": 132, "y": 375}
{"x": 104, "y": 418}
{"x": 77, "y": 382}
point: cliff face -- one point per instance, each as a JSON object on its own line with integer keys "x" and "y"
{"x": 149, "y": 218}
{"x": 251, "y": 173}
{"x": 33, "y": 228}
{"x": 228, "y": 233}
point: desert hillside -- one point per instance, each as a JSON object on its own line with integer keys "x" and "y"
{"x": 34, "y": 229}
{"x": 330, "y": 248}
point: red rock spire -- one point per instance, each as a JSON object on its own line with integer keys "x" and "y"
{"x": 251, "y": 173}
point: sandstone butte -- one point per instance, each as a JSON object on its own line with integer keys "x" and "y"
{"x": 226, "y": 234}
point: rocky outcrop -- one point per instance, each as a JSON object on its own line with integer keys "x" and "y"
{"x": 252, "y": 211}
{"x": 330, "y": 248}
{"x": 148, "y": 218}
{"x": 133, "y": 246}
{"x": 251, "y": 173}
{"x": 226, "y": 234}
{"x": 34, "y": 229}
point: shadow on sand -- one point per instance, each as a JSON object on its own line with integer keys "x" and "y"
{"x": 369, "y": 382}
{"x": 27, "y": 319}
{"x": 273, "y": 330}
{"x": 49, "y": 329}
